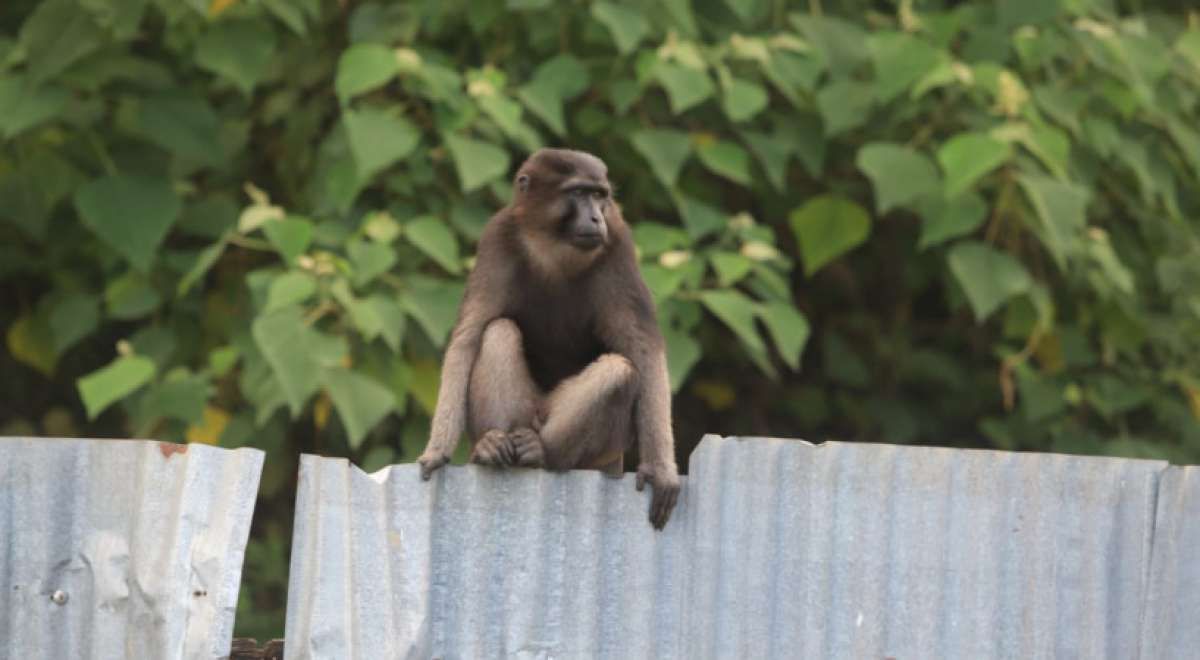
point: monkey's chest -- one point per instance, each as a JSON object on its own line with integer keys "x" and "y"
{"x": 557, "y": 345}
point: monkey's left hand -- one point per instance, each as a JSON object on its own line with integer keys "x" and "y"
{"x": 664, "y": 480}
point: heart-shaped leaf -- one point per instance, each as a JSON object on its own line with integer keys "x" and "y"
{"x": 828, "y": 227}
{"x": 131, "y": 213}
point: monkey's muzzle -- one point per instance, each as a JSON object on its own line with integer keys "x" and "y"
{"x": 587, "y": 239}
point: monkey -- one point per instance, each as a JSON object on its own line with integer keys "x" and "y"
{"x": 556, "y": 360}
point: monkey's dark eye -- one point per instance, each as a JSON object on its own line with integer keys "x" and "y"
{"x": 599, "y": 195}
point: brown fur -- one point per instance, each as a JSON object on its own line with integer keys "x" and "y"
{"x": 557, "y": 360}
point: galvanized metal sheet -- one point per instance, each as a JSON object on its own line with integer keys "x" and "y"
{"x": 779, "y": 549}
{"x": 1171, "y": 620}
{"x": 121, "y": 549}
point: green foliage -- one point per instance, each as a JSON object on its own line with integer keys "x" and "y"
{"x": 249, "y": 223}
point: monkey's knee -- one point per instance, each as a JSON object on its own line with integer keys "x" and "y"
{"x": 501, "y": 336}
{"x": 620, "y": 377}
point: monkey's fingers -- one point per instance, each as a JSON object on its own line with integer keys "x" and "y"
{"x": 662, "y": 504}
{"x": 431, "y": 463}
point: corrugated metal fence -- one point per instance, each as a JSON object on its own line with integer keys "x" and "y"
{"x": 121, "y": 549}
{"x": 778, "y": 549}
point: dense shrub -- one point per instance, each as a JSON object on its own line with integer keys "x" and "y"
{"x": 247, "y": 223}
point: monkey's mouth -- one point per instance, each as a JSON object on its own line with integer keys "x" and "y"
{"x": 587, "y": 240}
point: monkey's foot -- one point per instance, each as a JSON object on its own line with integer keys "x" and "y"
{"x": 528, "y": 446}
{"x": 494, "y": 448}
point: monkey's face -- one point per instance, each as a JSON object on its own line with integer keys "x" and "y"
{"x": 567, "y": 193}
{"x": 585, "y": 222}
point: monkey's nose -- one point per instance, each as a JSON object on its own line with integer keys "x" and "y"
{"x": 595, "y": 219}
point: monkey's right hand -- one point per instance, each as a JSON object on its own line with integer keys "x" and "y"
{"x": 430, "y": 461}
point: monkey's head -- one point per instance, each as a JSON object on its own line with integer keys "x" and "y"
{"x": 565, "y": 194}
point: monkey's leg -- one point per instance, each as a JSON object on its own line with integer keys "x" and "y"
{"x": 502, "y": 394}
{"x": 589, "y": 417}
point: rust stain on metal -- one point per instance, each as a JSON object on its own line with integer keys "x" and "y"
{"x": 170, "y": 448}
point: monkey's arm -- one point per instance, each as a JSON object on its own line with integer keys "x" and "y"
{"x": 482, "y": 303}
{"x": 633, "y": 332}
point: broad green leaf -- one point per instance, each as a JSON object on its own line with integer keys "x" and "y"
{"x": 238, "y": 51}
{"x": 683, "y": 353}
{"x": 361, "y": 402}
{"x": 364, "y": 316}
{"x": 730, "y": 266}
{"x": 507, "y": 114}
{"x": 362, "y": 68}
{"x": 564, "y": 74}
{"x": 663, "y": 282}
{"x": 292, "y": 14}
{"x": 726, "y": 159}
{"x": 828, "y": 227}
{"x": 1188, "y": 45}
{"x": 291, "y": 288}
{"x": 666, "y": 150}
{"x": 1111, "y": 395}
{"x": 29, "y": 341}
{"x": 381, "y": 227}
{"x": 290, "y": 236}
{"x": 107, "y": 385}
{"x": 156, "y": 342}
{"x": 624, "y": 22}
{"x": 181, "y": 398}
{"x": 71, "y": 319}
{"x": 966, "y": 157}
{"x": 434, "y": 305}
{"x": 24, "y": 106}
{"x": 841, "y": 43}
{"x": 900, "y": 61}
{"x": 434, "y": 238}
{"x": 370, "y": 260}
{"x": 296, "y": 353}
{"x": 1060, "y": 210}
{"x": 183, "y": 124}
{"x": 391, "y": 317}
{"x": 425, "y": 377}
{"x": 737, "y": 311}
{"x": 204, "y": 262}
{"x": 378, "y": 138}
{"x": 1108, "y": 266}
{"x": 773, "y": 153}
{"x": 793, "y": 74}
{"x": 742, "y": 100}
{"x": 988, "y": 277}
{"x": 31, "y": 190}
{"x": 392, "y": 370}
{"x": 653, "y": 238}
{"x": 699, "y": 218}
{"x": 686, "y": 88}
{"x": 789, "y": 328}
{"x": 131, "y": 213}
{"x": 900, "y": 174}
{"x": 545, "y": 102}
{"x": 222, "y": 359}
{"x": 56, "y": 35}
{"x": 477, "y": 163}
{"x": 845, "y": 105}
{"x": 942, "y": 219}
{"x": 131, "y": 296}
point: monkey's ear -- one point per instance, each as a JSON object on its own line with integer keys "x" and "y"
{"x": 522, "y": 182}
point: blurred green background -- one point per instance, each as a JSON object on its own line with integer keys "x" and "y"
{"x": 247, "y": 222}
